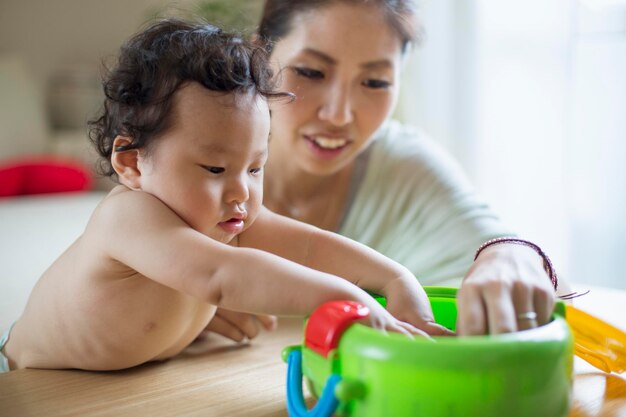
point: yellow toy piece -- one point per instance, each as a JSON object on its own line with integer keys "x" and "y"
{"x": 596, "y": 341}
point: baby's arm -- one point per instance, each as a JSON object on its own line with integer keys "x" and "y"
{"x": 355, "y": 262}
{"x": 152, "y": 240}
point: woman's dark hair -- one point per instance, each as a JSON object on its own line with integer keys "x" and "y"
{"x": 154, "y": 64}
{"x": 278, "y": 16}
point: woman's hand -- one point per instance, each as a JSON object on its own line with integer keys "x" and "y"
{"x": 238, "y": 326}
{"x": 407, "y": 301}
{"x": 505, "y": 290}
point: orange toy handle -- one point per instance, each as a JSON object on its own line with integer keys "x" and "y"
{"x": 596, "y": 341}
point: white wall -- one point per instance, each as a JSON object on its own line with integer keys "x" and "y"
{"x": 53, "y": 35}
{"x": 51, "y": 54}
{"x": 523, "y": 78}
{"x": 595, "y": 158}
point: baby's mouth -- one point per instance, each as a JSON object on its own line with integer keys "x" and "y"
{"x": 233, "y": 225}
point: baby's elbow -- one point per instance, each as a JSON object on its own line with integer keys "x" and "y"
{"x": 228, "y": 280}
{"x": 212, "y": 291}
{"x": 202, "y": 282}
{"x": 210, "y": 272}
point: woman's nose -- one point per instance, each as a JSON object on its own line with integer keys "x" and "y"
{"x": 337, "y": 106}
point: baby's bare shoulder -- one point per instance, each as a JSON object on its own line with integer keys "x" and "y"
{"x": 126, "y": 217}
{"x": 123, "y": 207}
{"x": 128, "y": 224}
{"x": 124, "y": 198}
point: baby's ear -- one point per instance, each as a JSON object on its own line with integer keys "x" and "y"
{"x": 256, "y": 39}
{"x": 126, "y": 163}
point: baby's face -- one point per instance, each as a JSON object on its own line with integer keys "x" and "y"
{"x": 208, "y": 166}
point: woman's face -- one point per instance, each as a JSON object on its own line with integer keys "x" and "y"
{"x": 342, "y": 62}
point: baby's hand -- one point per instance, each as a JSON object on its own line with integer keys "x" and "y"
{"x": 238, "y": 326}
{"x": 407, "y": 302}
{"x": 381, "y": 319}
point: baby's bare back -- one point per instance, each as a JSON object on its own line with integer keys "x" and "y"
{"x": 92, "y": 312}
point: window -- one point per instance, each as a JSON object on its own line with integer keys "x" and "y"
{"x": 530, "y": 96}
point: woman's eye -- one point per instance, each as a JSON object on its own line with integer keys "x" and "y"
{"x": 377, "y": 84}
{"x": 309, "y": 73}
{"x": 214, "y": 170}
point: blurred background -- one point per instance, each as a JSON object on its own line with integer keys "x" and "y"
{"x": 529, "y": 96}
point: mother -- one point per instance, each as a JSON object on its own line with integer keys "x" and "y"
{"x": 339, "y": 162}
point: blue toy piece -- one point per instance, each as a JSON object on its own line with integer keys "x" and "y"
{"x": 328, "y": 402}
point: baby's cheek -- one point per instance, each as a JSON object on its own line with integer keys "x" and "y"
{"x": 256, "y": 198}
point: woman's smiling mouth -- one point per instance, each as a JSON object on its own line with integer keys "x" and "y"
{"x": 326, "y": 146}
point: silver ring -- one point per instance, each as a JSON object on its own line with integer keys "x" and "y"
{"x": 531, "y": 315}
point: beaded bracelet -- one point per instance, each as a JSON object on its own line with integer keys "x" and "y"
{"x": 547, "y": 264}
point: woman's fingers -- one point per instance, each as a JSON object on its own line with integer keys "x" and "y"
{"x": 500, "y": 309}
{"x": 544, "y": 301}
{"x": 485, "y": 309}
{"x": 525, "y": 310}
{"x": 496, "y": 308}
{"x": 471, "y": 315}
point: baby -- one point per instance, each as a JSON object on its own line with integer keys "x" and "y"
{"x": 185, "y": 130}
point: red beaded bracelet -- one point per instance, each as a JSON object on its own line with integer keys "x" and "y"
{"x": 547, "y": 264}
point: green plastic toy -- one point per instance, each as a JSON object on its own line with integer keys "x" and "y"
{"x": 355, "y": 370}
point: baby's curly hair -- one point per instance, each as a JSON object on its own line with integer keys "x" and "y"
{"x": 154, "y": 64}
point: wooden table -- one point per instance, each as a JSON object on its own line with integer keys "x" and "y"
{"x": 218, "y": 378}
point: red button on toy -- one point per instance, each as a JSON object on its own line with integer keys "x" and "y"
{"x": 329, "y": 321}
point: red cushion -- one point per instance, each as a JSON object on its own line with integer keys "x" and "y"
{"x": 42, "y": 175}
{"x": 11, "y": 180}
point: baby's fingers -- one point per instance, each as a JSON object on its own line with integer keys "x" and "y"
{"x": 406, "y": 329}
{"x": 435, "y": 329}
{"x": 269, "y": 322}
{"x": 226, "y": 328}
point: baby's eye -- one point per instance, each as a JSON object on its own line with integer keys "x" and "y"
{"x": 214, "y": 170}
{"x": 377, "y": 84}
{"x": 309, "y": 73}
{"x": 255, "y": 170}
